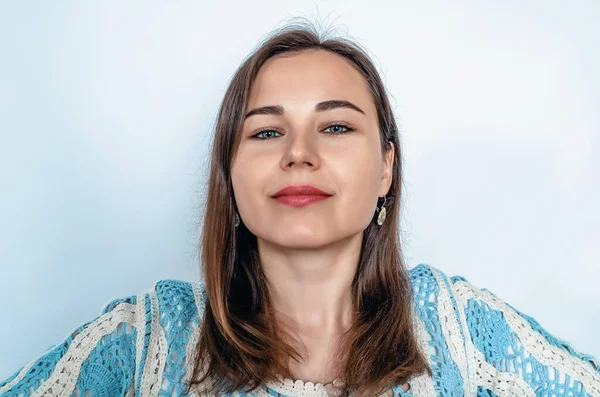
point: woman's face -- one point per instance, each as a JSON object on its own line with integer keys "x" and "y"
{"x": 300, "y": 148}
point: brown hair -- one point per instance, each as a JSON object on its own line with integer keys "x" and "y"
{"x": 239, "y": 345}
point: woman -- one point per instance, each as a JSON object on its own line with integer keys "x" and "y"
{"x": 306, "y": 292}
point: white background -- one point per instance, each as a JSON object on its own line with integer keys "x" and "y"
{"x": 106, "y": 109}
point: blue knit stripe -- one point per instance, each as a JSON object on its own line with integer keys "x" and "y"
{"x": 178, "y": 318}
{"x": 454, "y": 279}
{"x": 447, "y": 379}
{"x": 110, "y": 368}
{"x": 482, "y": 392}
{"x": 10, "y": 378}
{"x": 398, "y": 391}
{"x": 273, "y": 392}
{"x": 117, "y": 301}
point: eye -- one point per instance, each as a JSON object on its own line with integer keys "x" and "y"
{"x": 338, "y": 125}
{"x": 264, "y": 132}
{"x": 347, "y": 127}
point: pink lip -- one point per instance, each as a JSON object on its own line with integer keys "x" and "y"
{"x": 300, "y": 195}
{"x": 301, "y": 190}
{"x": 299, "y": 201}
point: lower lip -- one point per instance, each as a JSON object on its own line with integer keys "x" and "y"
{"x": 299, "y": 201}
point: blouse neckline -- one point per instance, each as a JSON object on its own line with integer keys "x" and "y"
{"x": 291, "y": 387}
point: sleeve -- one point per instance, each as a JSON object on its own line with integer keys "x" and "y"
{"x": 513, "y": 355}
{"x": 98, "y": 358}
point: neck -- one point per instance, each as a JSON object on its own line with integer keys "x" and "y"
{"x": 310, "y": 289}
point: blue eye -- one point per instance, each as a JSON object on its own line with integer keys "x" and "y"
{"x": 262, "y": 132}
{"x": 348, "y": 129}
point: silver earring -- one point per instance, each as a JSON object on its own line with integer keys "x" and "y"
{"x": 237, "y": 220}
{"x": 381, "y": 217}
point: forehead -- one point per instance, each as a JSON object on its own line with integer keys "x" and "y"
{"x": 307, "y": 78}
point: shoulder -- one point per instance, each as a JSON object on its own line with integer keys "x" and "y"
{"x": 428, "y": 279}
{"x": 439, "y": 329}
{"x": 432, "y": 290}
{"x": 436, "y": 307}
{"x": 436, "y": 291}
{"x": 423, "y": 270}
{"x": 178, "y": 297}
{"x": 433, "y": 281}
{"x": 169, "y": 308}
{"x": 99, "y": 354}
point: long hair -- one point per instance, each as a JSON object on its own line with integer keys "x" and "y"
{"x": 240, "y": 346}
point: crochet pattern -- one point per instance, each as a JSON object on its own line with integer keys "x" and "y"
{"x": 475, "y": 343}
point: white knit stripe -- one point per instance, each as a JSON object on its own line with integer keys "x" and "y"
{"x": 451, "y": 329}
{"x": 535, "y": 343}
{"x": 140, "y": 324}
{"x": 503, "y": 384}
{"x": 157, "y": 352}
{"x": 131, "y": 391}
{"x": 198, "y": 300}
{"x": 108, "y": 302}
{"x": 191, "y": 346}
{"x": 470, "y": 348}
{"x": 66, "y": 372}
{"x": 299, "y": 388}
{"x": 422, "y": 385}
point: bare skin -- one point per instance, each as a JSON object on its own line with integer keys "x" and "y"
{"x": 309, "y": 254}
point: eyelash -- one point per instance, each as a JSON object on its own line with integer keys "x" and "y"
{"x": 348, "y": 128}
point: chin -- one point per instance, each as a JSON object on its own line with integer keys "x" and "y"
{"x": 300, "y": 239}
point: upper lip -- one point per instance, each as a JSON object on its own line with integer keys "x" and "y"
{"x": 301, "y": 190}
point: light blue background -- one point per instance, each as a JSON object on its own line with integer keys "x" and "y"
{"x": 106, "y": 111}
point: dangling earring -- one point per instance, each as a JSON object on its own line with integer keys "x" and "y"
{"x": 237, "y": 220}
{"x": 381, "y": 217}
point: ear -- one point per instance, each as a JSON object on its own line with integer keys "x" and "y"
{"x": 386, "y": 175}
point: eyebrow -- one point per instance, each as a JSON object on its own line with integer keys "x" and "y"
{"x": 277, "y": 110}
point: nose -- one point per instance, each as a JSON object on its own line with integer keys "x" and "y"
{"x": 301, "y": 149}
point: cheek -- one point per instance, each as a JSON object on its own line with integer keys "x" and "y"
{"x": 250, "y": 179}
{"x": 359, "y": 175}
